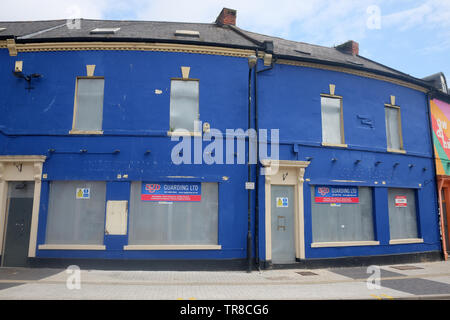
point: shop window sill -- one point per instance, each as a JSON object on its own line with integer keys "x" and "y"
{"x": 344, "y": 244}
{"x": 71, "y": 247}
{"x": 172, "y": 247}
{"x": 406, "y": 241}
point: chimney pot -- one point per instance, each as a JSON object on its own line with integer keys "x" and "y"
{"x": 227, "y": 17}
{"x": 349, "y": 47}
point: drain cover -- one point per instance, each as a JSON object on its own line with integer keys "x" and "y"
{"x": 307, "y": 273}
{"x": 406, "y": 268}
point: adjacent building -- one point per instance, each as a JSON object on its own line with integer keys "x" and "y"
{"x": 439, "y": 117}
{"x": 126, "y": 143}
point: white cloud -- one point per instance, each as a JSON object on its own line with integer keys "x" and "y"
{"x": 325, "y": 22}
{"x": 430, "y": 14}
{"x": 320, "y": 21}
{"x": 22, "y": 10}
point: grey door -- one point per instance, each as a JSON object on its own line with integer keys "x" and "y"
{"x": 283, "y": 228}
{"x": 20, "y": 199}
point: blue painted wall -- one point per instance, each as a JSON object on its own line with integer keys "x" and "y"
{"x": 136, "y": 119}
{"x": 289, "y": 100}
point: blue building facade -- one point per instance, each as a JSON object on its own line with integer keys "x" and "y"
{"x": 290, "y": 99}
{"x": 92, "y": 190}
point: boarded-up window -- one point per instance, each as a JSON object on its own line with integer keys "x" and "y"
{"x": 184, "y": 111}
{"x": 332, "y": 131}
{"x": 89, "y": 104}
{"x": 393, "y": 128}
{"x": 334, "y": 222}
{"x": 177, "y": 222}
{"x": 402, "y": 213}
{"x": 76, "y": 212}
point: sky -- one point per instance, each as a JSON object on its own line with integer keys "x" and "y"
{"x": 412, "y": 36}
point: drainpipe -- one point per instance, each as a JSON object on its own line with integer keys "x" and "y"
{"x": 258, "y": 167}
{"x": 252, "y": 60}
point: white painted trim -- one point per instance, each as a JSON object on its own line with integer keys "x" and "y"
{"x": 339, "y": 145}
{"x": 404, "y": 241}
{"x": 71, "y": 247}
{"x": 173, "y": 247}
{"x": 344, "y": 244}
{"x": 184, "y": 134}
{"x": 34, "y": 219}
{"x": 396, "y": 150}
{"x": 22, "y": 158}
{"x": 74, "y": 131}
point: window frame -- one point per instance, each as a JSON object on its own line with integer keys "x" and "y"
{"x": 197, "y": 131}
{"x": 342, "y": 144}
{"x": 75, "y": 108}
{"x": 71, "y": 246}
{"x": 400, "y": 133}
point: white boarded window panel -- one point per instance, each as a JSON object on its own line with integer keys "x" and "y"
{"x": 116, "y": 217}
{"x": 89, "y": 107}
{"x": 331, "y": 120}
{"x": 72, "y": 220}
{"x": 345, "y": 222}
{"x": 184, "y": 97}
{"x": 402, "y": 215}
{"x": 392, "y": 128}
{"x": 174, "y": 223}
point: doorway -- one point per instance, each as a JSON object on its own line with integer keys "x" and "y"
{"x": 284, "y": 221}
{"x": 283, "y": 224}
{"x": 18, "y": 223}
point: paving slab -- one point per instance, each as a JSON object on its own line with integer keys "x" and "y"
{"x": 432, "y": 279}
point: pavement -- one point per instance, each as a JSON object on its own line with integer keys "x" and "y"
{"x": 430, "y": 280}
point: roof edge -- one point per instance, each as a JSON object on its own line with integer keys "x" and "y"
{"x": 258, "y": 47}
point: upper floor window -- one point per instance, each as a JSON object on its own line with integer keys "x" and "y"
{"x": 393, "y": 128}
{"x": 88, "y": 109}
{"x": 184, "y": 104}
{"x": 332, "y": 120}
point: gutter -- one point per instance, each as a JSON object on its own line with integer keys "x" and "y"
{"x": 409, "y": 79}
{"x": 128, "y": 39}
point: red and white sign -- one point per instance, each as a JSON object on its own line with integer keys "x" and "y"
{"x": 400, "y": 201}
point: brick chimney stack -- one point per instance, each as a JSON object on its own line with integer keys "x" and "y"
{"x": 349, "y": 47}
{"x": 227, "y": 17}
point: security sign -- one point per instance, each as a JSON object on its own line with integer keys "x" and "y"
{"x": 83, "y": 193}
{"x": 336, "y": 194}
{"x": 401, "y": 201}
{"x": 171, "y": 191}
{"x": 282, "y": 202}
